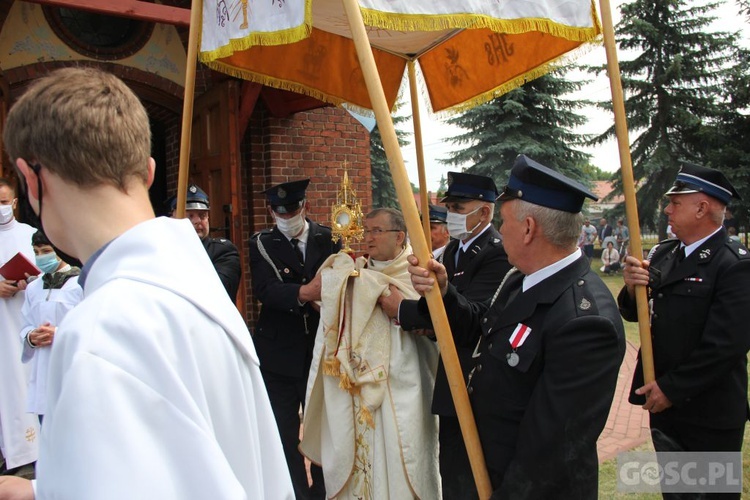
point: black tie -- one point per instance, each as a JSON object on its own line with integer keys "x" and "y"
{"x": 298, "y": 251}
{"x": 681, "y": 254}
{"x": 461, "y": 260}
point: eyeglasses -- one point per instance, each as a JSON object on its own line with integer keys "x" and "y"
{"x": 378, "y": 232}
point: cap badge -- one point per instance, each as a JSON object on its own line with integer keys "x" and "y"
{"x": 585, "y": 305}
{"x": 742, "y": 251}
{"x": 193, "y": 189}
{"x": 281, "y": 193}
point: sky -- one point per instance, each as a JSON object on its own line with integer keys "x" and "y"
{"x": 606, "y": 156}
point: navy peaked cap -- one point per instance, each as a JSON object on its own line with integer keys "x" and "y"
{"x": 287, "y": 193}
{"x": 438, "y": 214}
{"x": 533, "y": 182}
{"x": 463, "y": 186}
{"x": 196, "y": 198}
{"x": 694, "y": 178}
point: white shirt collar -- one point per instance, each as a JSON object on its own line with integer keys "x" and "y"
{"x": 544, "y": 273}
{"x": 463, "y": 246}
{"x": 694, "y": 246}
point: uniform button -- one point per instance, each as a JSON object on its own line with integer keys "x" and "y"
{"x": 484, "y": 320}
{"x": 470, "y": 390}
{"x": 489, "y": 330}
{"x": 490, "y": 346}
{"x": 660, "y": 296}
{"x": 580, "y": 282}
{"x": 479, "y": 368}
{"x": 656, "y": 315}
{"x": 304, "y": 280}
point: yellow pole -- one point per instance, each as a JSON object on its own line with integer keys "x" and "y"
{"x": 421, "y": 250}
{"x": 628, "y": 185}
{"x": 417, "y": 121}
{"x": 196, "y": 9}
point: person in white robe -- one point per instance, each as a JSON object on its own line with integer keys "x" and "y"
{"x": 19, "y": 431}
{"x": 48, "y": 299}
{"x": 368, "y": 421}
{"x": 154, "y": 388}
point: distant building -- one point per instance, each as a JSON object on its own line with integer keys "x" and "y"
{"x": 602, "y": 189}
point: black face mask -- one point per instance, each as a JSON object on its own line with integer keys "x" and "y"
{"x": 28, "y": 216}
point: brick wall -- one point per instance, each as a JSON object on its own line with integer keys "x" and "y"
{"x": 313, "y": 144}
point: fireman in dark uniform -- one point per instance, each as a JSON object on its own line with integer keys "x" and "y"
{"x": 283, "y": 262}
{"x": 222, "y": 252}
{"x": 548, "y": 344}
{"x": 700, "y": 317}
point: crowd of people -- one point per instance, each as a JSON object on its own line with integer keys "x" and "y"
{"x": 147, "y": 386}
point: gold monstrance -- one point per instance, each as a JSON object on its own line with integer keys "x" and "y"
{"x": 346, "y": 215}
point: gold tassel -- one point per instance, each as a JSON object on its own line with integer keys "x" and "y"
{"x": 345, "y": 382}
{"x": 332, "y": 367}
{"x": 365, "y": 417}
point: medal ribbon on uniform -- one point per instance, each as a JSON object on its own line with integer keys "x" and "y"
{"x": 519, "y": 336}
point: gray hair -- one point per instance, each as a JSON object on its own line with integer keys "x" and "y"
{"x": 560, "y": 228}
{"x": 395, "y": 217}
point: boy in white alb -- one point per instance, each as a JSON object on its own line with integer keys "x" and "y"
{"x": 48, "y": 299}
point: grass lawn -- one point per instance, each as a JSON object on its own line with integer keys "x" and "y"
{"x": 608, "y": 469}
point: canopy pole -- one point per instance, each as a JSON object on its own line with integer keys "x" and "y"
{"x": 421, "y": 250}
{"x": 628, "y": 186}
{"x": 196, "y": 9}
{"x": 417, "y": 122}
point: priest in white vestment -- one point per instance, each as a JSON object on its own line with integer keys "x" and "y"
{"x": 368, "y": 420}
{"x": 19, "y": 431}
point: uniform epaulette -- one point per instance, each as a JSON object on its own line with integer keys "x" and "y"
{"x": 584, "y": 304}
{"x": 262, "y": 231}
{"x": 738, "y": 249}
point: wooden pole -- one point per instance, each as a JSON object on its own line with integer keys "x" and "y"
{"x": 196, "y": 10}
{"x": 421, "y": 250}
{"x": 628, "y": 186}
{"x": 417, "y": 122}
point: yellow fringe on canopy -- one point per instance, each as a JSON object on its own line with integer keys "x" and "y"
{"x": 280, "y": 37}
{"x": 419, "y": 22}
{"x": 365, "y": 417}
{"x": 274, "y": 82}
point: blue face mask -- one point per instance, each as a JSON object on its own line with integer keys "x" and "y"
{"x": 47, "y": 262}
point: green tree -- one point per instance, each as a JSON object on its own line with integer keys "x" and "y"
{"x": 383, "y": 190}
{"x": 674, "y": 88}
{"x": 534, "y": 119}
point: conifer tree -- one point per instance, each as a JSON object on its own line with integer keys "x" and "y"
{"x": 383, "y": 190}
{"x": 673, "y": 87}
{"x": 534, "y": 119}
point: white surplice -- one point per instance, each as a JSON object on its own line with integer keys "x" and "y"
{"x": 154, "y": 385}
{"x": 44, "y": 306}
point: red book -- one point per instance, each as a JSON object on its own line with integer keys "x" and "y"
{"x": 18, "y": 267}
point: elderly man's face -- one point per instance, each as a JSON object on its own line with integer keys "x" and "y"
{"x": 382, "y": 241}
{"x": 438, "y": 234}
{"x": 681, "y": 212}
{"x": 199, "y": 219}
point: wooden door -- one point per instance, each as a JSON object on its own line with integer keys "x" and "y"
{"x": 215, "y": 165}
